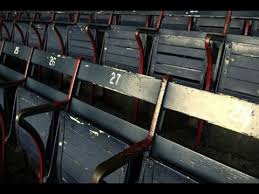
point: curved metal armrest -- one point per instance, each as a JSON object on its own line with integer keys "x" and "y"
{"x": 210, "y": 76}
{"x": 20, "y": 120}
{"x": 38, "y": 110}
{"x": 147, "y": 30}
{"x": 36, "y": 137}
{"x": 21, "y": 115}
{"x": 119, "y": 160}
{"x": 9, "y": 84}
{"x": 134, "y": 150}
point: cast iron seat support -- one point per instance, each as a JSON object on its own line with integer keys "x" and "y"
{"x": 45, "y": 102}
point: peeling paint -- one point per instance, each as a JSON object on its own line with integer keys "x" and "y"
{"x": 94, "y": 132}
{"x": 194, "y": 11}
{"x": 76, "y": 120}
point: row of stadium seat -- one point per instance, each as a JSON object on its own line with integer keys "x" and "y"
{"x": 121, "y": 46}
{"x": 240, "y": 22}
{"x": 75, "y": 142}
{"x": 220, "y": 63}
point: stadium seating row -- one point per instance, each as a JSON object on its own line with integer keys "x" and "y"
{"x": 132, "y": 56}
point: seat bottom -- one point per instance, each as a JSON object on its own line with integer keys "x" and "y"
{"x": 156, "y": 172}
{"x": 81, "y": 148}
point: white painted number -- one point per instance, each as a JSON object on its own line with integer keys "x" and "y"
{"x": 52, "y": 61}
{"x": 114, "y": 75}
{"x": 16, "y": 50}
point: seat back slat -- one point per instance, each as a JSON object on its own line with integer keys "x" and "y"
{"x": 18, "y": 51}
{"x": 239, "y": 68}
{"x": 59, "y": 63}
{"x": 121, "y": 49}
{"x": 116, "y": 126}
{"x": 198, "y": 166}
{"x": 181, "y": 54}
{"x": 235, "y": 114}
{"x": 135, "y": 85}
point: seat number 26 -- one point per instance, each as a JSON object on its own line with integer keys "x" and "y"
{"x": 52, "y": 61}
{"x": 16, "y": 50}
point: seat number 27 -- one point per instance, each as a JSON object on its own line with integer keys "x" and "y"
{"x": 115, "y": 78}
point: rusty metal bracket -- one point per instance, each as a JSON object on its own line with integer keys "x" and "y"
{"x": 134, "y": 150}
